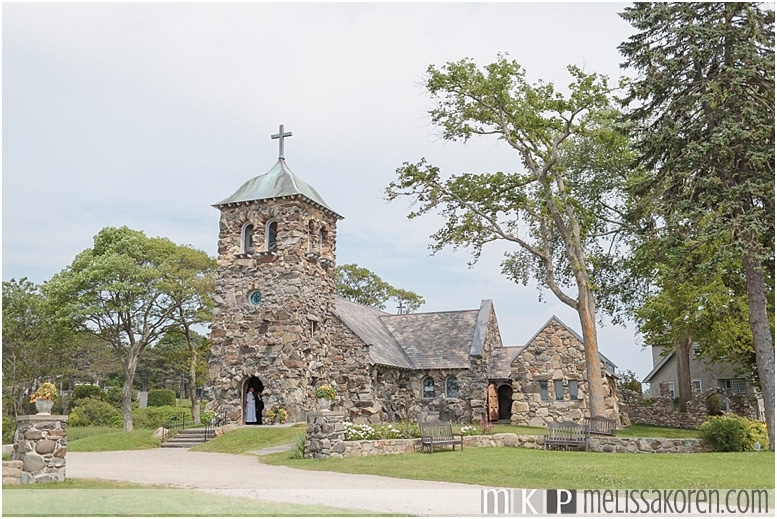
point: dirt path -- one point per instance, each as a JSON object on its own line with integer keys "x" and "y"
{"x": 244, "y": 476}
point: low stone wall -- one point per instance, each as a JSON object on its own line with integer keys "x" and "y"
{"x": 528, "y": 441}
{"x": 661, "y": 411}
{"x": 40, "y": 445}
{"x": 12, "y": 472}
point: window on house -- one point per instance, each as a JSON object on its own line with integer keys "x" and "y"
{"x": 558, "y": 388}
{"x": 451, "y": 387}
{"x": 427, "y": 388}
{"x": 736, "y": 386}
{"x": 247, "y": 239}
{"x": 696, "y": 348}
{"x": 671, "y": 390}
{"x": 696, "y": 384}
{"x": 544, "y": 390}
{"x": 271, "y": 234}
{"x": 573, "y": 390}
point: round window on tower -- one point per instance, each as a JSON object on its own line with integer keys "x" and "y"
{"x": 255, "y": 297}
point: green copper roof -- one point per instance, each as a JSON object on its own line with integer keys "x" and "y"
{"x": 279, "y": 182}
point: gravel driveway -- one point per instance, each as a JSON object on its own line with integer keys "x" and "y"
{"x": 243, "y": 475}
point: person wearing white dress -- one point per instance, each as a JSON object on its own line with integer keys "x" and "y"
{"x": 250, "y": 407}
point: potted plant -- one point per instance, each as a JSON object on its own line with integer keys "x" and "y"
{"x": 43, "y": 397}
{"x": 277, "y": 414}
{"x": 325, "y": 395}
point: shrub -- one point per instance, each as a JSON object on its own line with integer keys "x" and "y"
{"x": 733, "y": 433}
{"x": 161, "y": 397}
{"x": 86, "y": 391}
{"x": 155, "y": 417}
{"x": 92, "y": 411}
{"x": 206, "y": 416}
{"x": 113, "y": 396}
{"x": 9, "y": 428}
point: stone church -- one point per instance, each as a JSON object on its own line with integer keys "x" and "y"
{"x": 279, "y": 327}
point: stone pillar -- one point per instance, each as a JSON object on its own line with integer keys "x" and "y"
{"x": 40, "y": 443}
{"x": 325, "y": 435}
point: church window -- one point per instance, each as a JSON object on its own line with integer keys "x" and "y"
{"x": 427, "y": 388}
{"x": 544, "y": 390}
{"x": 271, "y": 235}
{"x": 558, "y": 388}
{"x": 255, "y": 297}
{"x": 311, "y": 237}
{"x": 321, "y": 240}
{"x": 573, "y": 390}
{"x": 451, "y": 387}
{"x": 247, "y": 239}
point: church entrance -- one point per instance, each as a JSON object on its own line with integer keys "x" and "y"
{"x": 505, "y": 402}
{"x": 253, "y": 406}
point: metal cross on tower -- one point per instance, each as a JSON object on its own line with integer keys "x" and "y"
{"x": 280, "y": 136}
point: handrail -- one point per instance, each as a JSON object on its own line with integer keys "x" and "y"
{"x": 210, "y": 427}
{"x": 176, "y": 421}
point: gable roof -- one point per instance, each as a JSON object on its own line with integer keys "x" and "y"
{"x": 279, "y": 182}
{"x": 500, "y": 360}
{"x": 366, "y": 323}
{"x": 609, "y": 365}
{"x": 657, "y": 368}
{"x": 432, "y": 340}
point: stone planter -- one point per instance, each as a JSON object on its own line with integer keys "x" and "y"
{"x": 324, "y": 404}
{"x": 44, "y": 406}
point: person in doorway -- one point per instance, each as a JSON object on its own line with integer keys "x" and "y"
{"x": 259, "y": 407}
{"x": 250, "y": 406}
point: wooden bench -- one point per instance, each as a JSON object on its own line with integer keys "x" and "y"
{"x": 566, "y": 434}
{"x": 439, "y": 434}
{"x": 600, "y": 426}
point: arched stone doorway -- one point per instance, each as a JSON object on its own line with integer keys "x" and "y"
{"x": 256, "y": 383}
{"x": 505, "y": 393}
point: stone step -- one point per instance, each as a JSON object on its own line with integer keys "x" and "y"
{"x": 185, "y": 439}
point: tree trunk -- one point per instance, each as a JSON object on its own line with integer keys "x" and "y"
{"x": 762, "y": 338}
{"x": 126, "y": 400}
{"x": 683, "y": 355}
{"x": 586, "y": 310}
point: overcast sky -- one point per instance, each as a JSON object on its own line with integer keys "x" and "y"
{"x": 144, "y": 115}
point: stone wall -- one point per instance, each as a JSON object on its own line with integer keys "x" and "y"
{"x": 528, "y": 441}
{"x": 554, "y": 354}
{"x": 40, "y": 444}
{"x": 661, "y": 410}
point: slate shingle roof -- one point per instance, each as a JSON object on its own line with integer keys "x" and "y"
{"x": 435, "y": 340}
{"x": 499, "y": 362}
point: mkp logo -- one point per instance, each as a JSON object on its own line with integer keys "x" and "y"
{"x": 502, "y": 501}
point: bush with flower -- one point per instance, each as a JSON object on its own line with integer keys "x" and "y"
{"x": 46, "y": 391}
{"x": 327, "y": 392}
{"x": 355, "y": 431}
{"x": 278, "y": 412}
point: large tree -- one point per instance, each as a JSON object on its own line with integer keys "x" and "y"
{"x": 702, "y": 111}
{"x": 37, "y": 347}
{"x": 191, "y": 286}
{"x": 363, "y": 286}
{"x": 120, "y": 291}
{"x": 559, "y": 205}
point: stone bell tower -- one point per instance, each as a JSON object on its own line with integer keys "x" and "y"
{"x": 274, "y": 296}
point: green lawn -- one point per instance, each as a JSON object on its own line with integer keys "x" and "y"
{"x": 107, "y": 498}
{"x": 530, "y": 468}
